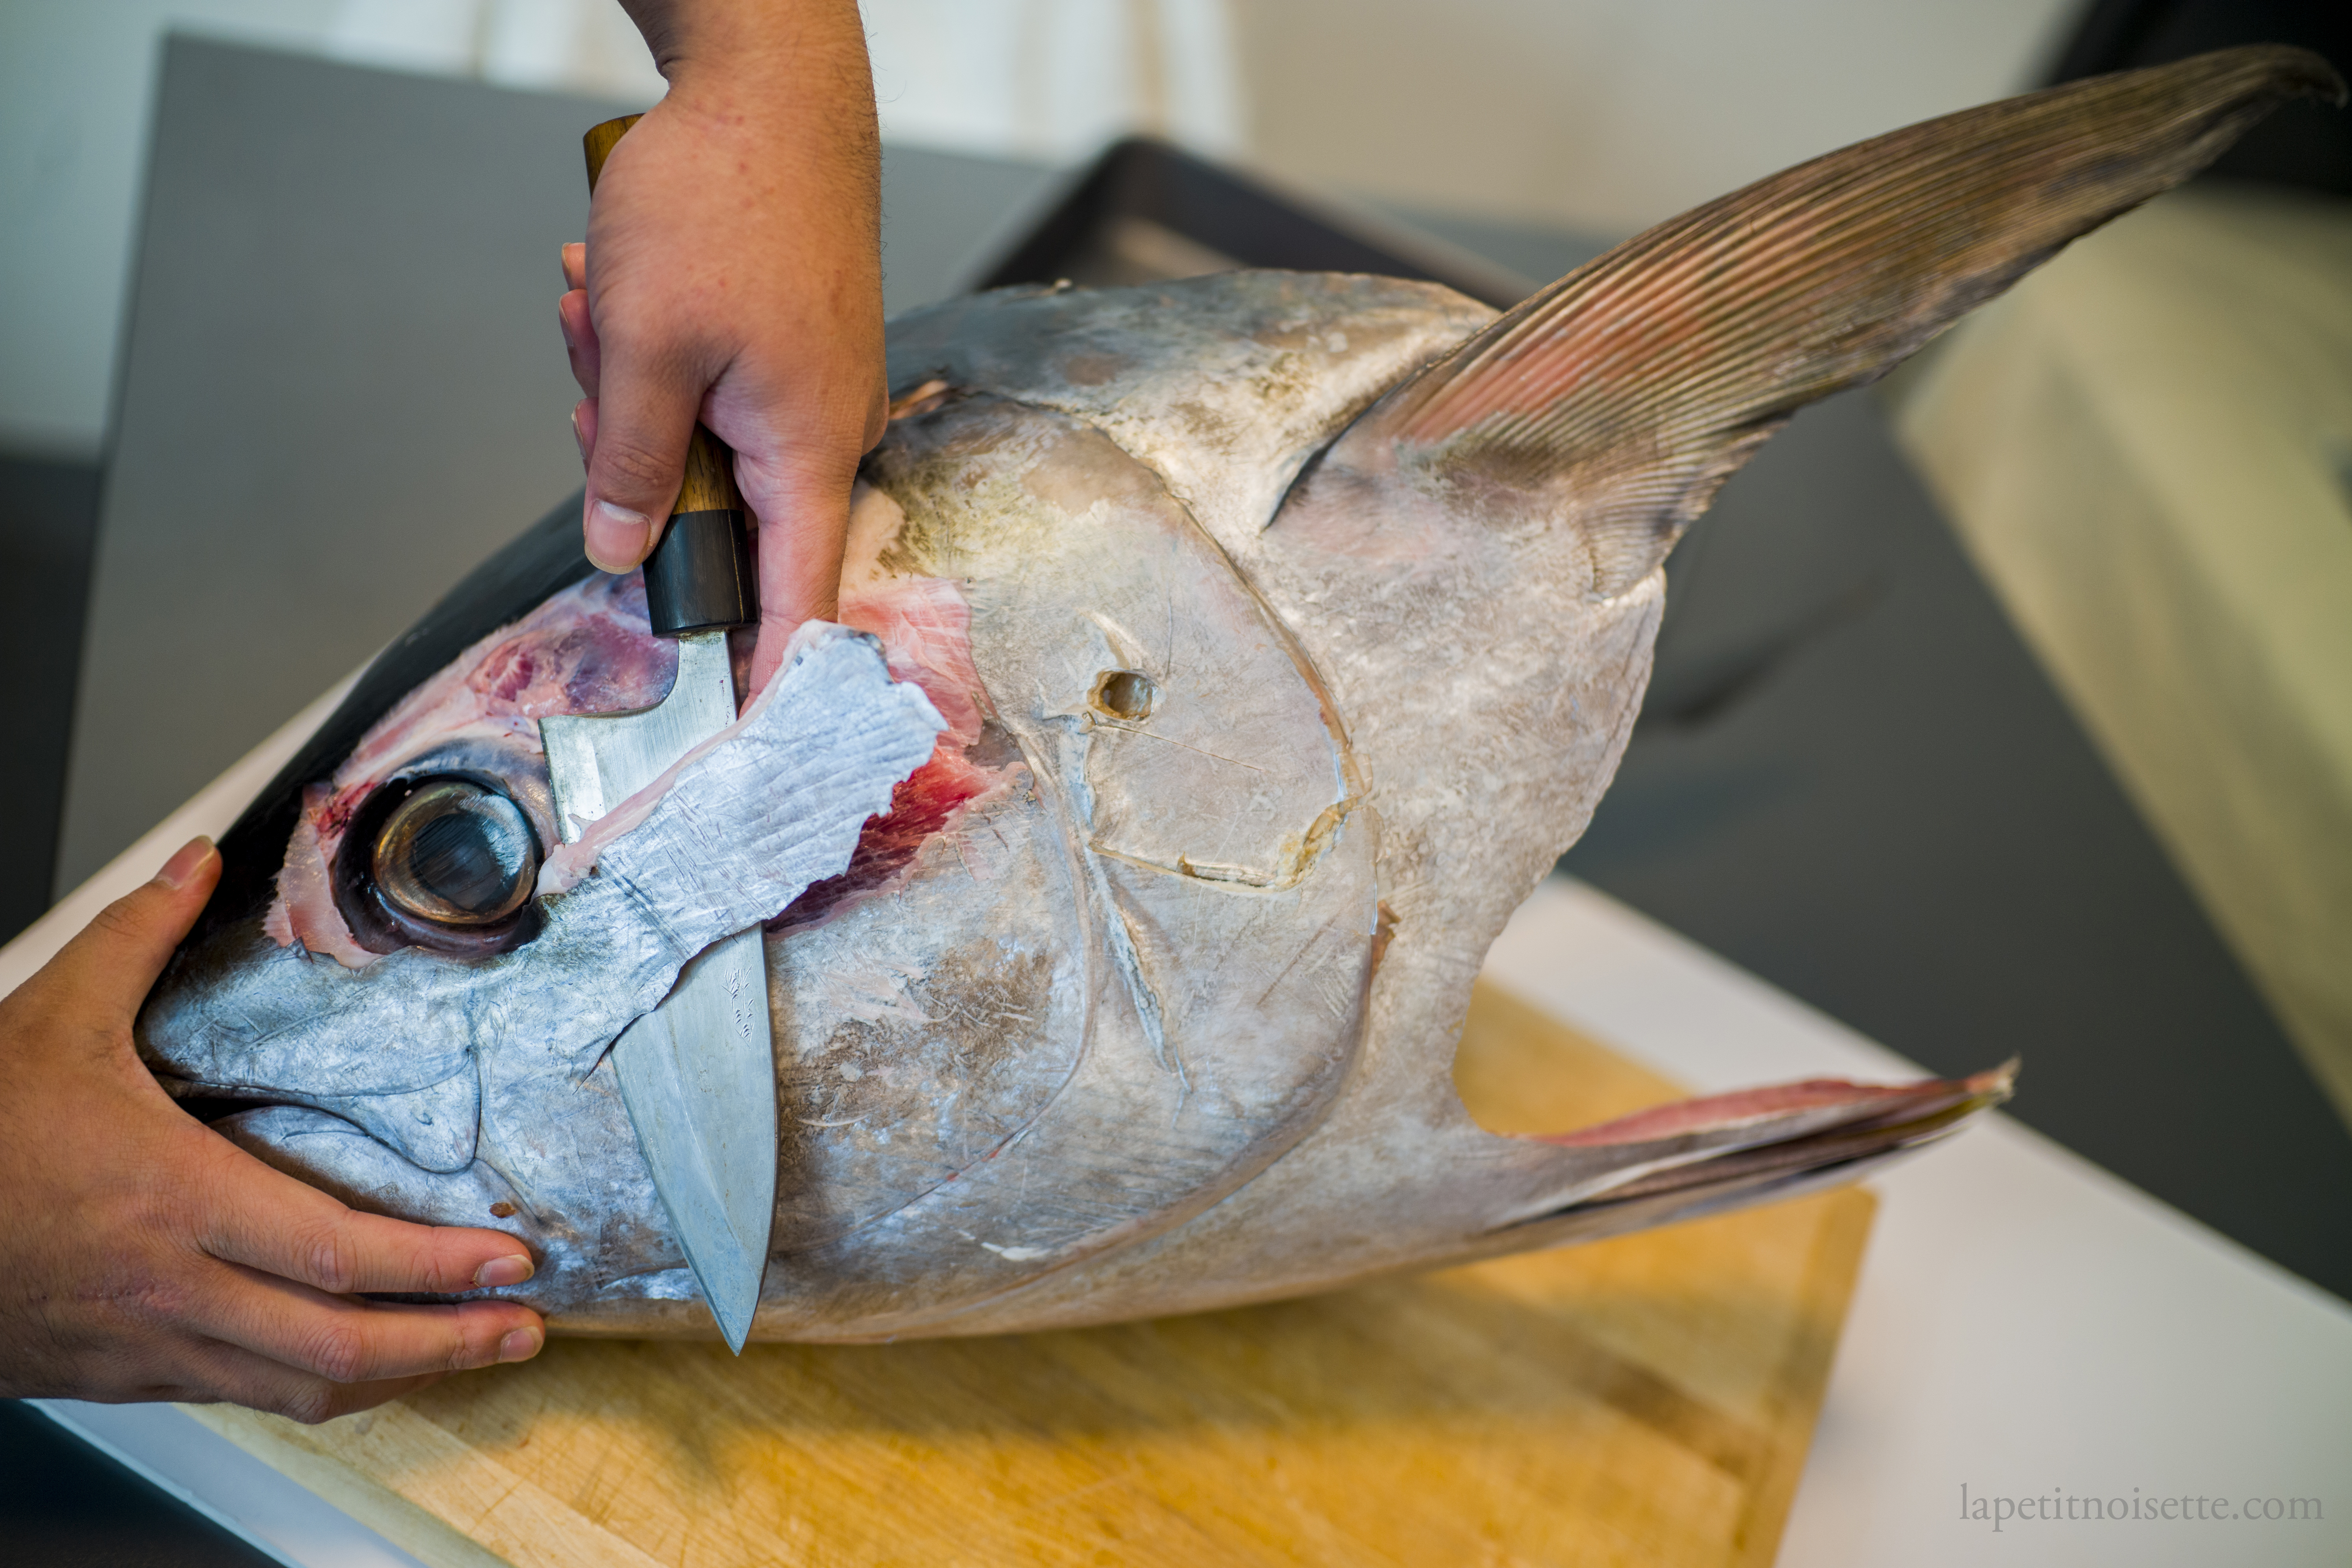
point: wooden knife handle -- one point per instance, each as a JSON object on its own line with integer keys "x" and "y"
{"x": 700, "y": 577}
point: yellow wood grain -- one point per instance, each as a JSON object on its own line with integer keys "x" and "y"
{"x": 1645, "y": 1400}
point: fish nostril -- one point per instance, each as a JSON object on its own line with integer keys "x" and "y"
{"x": 1126, "y": 694}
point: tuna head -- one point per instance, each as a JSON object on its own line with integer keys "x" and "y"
{"x": 1236, "y": 655}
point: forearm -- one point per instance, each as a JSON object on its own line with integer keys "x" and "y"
{"x": 777, "y": 38}
{"x": 783, "y": 92}
{"x": 794, "y": 72}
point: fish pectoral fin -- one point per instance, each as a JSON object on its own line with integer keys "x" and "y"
{"x": 1760, "y": 1138}
{"x": 1624, "y": 395}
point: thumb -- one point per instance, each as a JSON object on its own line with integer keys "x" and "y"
{"x": 644, "y": 417}
{"x": 114, "y": 960}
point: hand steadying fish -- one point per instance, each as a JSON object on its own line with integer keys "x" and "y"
{"x": 1237, "y": 654}
{"x": 141, "y": 1256}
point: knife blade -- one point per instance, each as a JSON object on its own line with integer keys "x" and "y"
{"x": 697, "y": 1074}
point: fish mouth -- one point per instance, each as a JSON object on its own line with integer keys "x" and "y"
{"x": 209, "y": 1103}
{"x": 435, "y": 1127}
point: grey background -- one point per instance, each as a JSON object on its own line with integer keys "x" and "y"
{"x": 46, "y": 514}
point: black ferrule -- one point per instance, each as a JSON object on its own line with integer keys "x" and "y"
{"x": 699, "y": 576}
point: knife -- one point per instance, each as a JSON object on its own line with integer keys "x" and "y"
{"x": 698, "y": 1074}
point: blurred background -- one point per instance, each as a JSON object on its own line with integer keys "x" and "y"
{"x": 1601, "y": 115}
{"x": 2009, "y": 708}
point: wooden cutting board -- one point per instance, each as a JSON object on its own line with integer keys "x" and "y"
{"x": 1642, "y": 1400}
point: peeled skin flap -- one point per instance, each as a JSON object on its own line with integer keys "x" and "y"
{"x": 744, "y": 829}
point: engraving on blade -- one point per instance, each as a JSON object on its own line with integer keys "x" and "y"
{"x": 698, "y": 1074}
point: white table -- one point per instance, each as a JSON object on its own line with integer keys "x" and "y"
{"x": 2026, "y": 1326}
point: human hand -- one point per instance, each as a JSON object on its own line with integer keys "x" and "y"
{"x": 142, "y": 1255}
{"x": 736, "y": 277}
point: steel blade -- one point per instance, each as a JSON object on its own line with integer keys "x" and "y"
{"x": 698, "y": 1074}
{"x": 596, "y": 761}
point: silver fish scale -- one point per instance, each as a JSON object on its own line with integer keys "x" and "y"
{"x": 924, "y": 1030}
{"x": 1224, "y": 386}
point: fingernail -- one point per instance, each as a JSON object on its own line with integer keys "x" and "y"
{"x": 521, "y": 1344}
{"x": 579, "y": 432}
{"x": 182, "y": 867}
{"x": 511, "y": 1269}
{"x": 617, "y": 537}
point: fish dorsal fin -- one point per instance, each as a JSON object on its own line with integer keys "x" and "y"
{"x": 1621, "y": 396}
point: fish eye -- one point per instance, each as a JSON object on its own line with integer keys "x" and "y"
{"x": 456, "y": 852}
{"x": 445, "y": 862}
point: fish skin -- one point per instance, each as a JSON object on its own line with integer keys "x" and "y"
{"x": 1160, "y": 1014}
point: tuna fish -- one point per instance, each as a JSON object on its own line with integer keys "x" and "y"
{"x": 1221, "y": 661}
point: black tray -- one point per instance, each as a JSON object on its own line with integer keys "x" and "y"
{"x": 1146, "y": 211}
